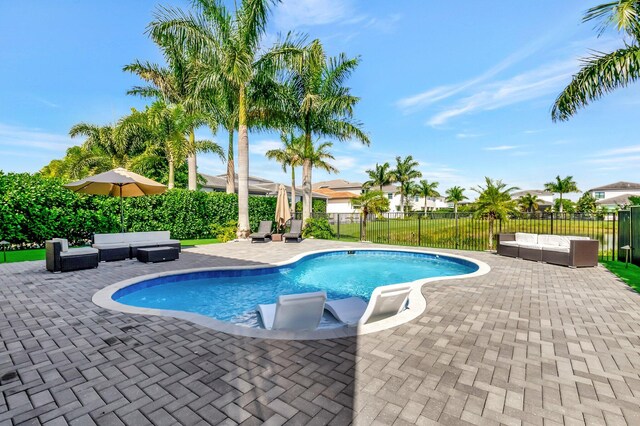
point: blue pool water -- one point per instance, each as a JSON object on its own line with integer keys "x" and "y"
{"x": 233, "y": 295}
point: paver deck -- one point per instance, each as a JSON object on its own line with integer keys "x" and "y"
{"x": 527, "y": 343}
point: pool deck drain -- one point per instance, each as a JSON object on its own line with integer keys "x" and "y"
{"x": 527, "y": 343}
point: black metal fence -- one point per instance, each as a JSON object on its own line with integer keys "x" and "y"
{"x": 468, "y": 232}
{"x": 629, "y": 235}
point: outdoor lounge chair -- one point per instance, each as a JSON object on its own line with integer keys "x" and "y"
{"x": 385, "y": 302}
{"x": 60, "y": 258}
{"x": 264, "y": 231}
{"x": 295, "y": 233}
{"x": 296, "y": 312}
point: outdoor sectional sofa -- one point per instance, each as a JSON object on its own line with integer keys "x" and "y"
{"x": 125, "y": 245}
{"x": 564, "y": 250}
{"x": 61, "y": 258}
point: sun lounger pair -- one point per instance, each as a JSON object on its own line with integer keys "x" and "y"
{"x": 303, "y": 312}
{"x": 264, "y": 231}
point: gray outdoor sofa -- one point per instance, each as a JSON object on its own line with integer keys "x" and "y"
{"x": 61, "y": 258}
{"x": 125, "y": 245}
{"x": 572, "y": 251}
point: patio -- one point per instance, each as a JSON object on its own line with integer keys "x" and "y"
{"x": 528, "y": 343}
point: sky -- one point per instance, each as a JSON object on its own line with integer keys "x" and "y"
{"x": 466, "y": 90}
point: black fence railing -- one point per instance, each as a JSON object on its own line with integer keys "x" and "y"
{"x": 468, "y": 232}
{"x": 629, "y": 235}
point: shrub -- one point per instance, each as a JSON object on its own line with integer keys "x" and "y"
{"x": 317, "y": 205}
{"x": 225, "y": 232}
{"x": 318, "y": 228}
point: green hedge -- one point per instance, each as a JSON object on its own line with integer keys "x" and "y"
{"x": 34, "y": 209}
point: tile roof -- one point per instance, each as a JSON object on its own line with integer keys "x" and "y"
{"x": 336, "y": 195}
{"x": 618, "y": 186}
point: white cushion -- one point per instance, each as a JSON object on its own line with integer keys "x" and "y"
{"x": 525, "y": 238}
{"x": 146, "y": 236}
{"x": 153, "y": 242}
{"x": 64, "y": 243}
{"x": 555, "y": 248}
{"x": 509, "y": 243}
{"x": 530, "y": 246}
{"x": 108, "y": 238}
{"x": 104, "y": 246}
{"x": 79, "y": 251}
{"x": 549, "y": 240}
{"x": 579, "y": 238}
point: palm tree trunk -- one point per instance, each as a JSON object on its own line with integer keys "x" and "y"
{"x": 192, "y": 162}
{"x": 561, "y": 206}
{"x": 171, "y": 184}
{"x": 231, "y": 170}
{"x": 243, "y": 167}
{"x": 490, "y": 233}
{"x": 306, "y": 190}
{"x": 293, "y": 192}
{"x": 425, "y": 205}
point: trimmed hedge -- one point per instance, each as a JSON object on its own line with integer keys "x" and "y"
{"x": 34, "y": 209}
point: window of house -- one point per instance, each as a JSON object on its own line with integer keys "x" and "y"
{"x": 598, "y": 195}
{"x": 390, "y": 195}
{"x": 416, "y": 198}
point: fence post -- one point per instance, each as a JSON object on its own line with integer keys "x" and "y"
{"x": 360, "y": 227}
{"x": 338, "y": 226}
{"x": 552, "y": 214}
{"x": 613, "y": 250}
{"x": 419, "y": 230}
{"x": 388, "y": 228}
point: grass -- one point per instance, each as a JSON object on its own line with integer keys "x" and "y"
{"x": 630, "y": 275}
{"x": 39, "y": 254}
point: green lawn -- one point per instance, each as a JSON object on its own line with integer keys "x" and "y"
{"x": 630, "y": 275}
{"x": 39, "y": 254}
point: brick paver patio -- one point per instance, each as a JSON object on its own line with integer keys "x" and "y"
{"x": 527, "y": 343}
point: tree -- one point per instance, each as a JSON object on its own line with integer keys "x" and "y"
{"x": 319, "y": 104}
{"x": 602, "y": 73}
{"x": 409, "y": 189}
{"x": 494, "y": 203}
{"x": 562, "y": 186}
{"x": 566, "y": 206}
{"x": 426, "y": 189}
{"x": 405, "y": 171}
{"x": 230, "y": 52}
{"x": 370, "y": 202}
{"x": 587, "y": 204}
{"x": 455, "y": 195}
{"x": 316, "y": 156}
{"x": 289, "y": 155}
{"x": 634, "y": 200}
{"x": 379, "y": 176}
{"x": 529, "y": 203}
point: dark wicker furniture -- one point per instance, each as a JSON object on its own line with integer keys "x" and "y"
{"x": 157, "y": 254}
{"x": 263, "y": 232}
{"x": 125, "y": 245}
{"x": 572, "y": 251}
{"x": 295, "y": 233}
{"x": 60, "y": 258}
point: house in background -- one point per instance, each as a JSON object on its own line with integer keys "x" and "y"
{"x": 545, "y": 197}
{"x": 257, "y": 186}
{"x": 614, "y": 195}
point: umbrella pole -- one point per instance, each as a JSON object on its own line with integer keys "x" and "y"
{"x": 121, "y": 212}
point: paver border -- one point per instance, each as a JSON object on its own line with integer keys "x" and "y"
{"x": 417, "y": 302}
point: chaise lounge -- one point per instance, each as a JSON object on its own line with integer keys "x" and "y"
{"x": 295, "y": 232}
{"x": 61, "y": 258}
{"x": 385, "y": 302}
{"x": 294, "y": 312}
{"x": 572, "y": 251}
{"x": 263, "y": 232}
{"x": 125, "y": 245}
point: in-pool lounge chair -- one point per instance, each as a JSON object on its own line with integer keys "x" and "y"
{"x": 295, "y": 312}
{"x": 295, "y": 233}
{"x": 385, "y": 302}
{"x": 263, "y": 232}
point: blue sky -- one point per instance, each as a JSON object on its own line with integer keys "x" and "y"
{"x": 466, "y": 90}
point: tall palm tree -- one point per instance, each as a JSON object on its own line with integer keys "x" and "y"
{"x": 562, "y": 186}
{"x": 290, "y": 154}
{"x": 602, "y": 73}
{"x": 317, "y": 156}
{"x": 319, "y": 104}
{"x": 427, "y": 189}
{"x": 404, "y": 172}
{"x": 379, "y": 176}
{"x": 370, "y": 202}
{"x": 494, "y": 203}
{"x": 529, "y": 203}
{"x": 455, "y": 195}
{"x": 230, "y": 52}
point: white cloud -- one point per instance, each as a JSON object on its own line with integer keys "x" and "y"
{"x": 463, "y": 135}
{"x": 312, "y": 12}
{"x": 618, "y": 151}
{"x": 500, "y": 148}
{"x": 343, "y": 163}
{"x": 261, "y": 147}
{"x": 34, "y": 138}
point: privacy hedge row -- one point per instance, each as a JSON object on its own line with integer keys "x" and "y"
{"x": 34, "y": 209}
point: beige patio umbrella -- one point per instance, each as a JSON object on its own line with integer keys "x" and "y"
{"x": 117, "y": 183}
{"x": 283, "y": 214}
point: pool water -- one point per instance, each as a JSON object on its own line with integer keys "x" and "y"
{"x": 232, "y": 296}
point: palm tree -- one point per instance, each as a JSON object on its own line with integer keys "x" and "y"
{"x": 290, "y": 155}
{"x": 229, "y": 51}
{"x": 455, "y": 195}
{"x": 370, "y": 202}
{"x": 404, "y": 172}
{"x": 379, "y": 176}
{"x": 494, "y": 202}
{"x": 529, "y": 203}
{"x": 561, "y": 186}
{"x": 409, "y": 189}
{"x": 427, "y": 189}
{"x": 319, "y": 104}
{"x": 602, "y": 73}
{"x": 316, "y": 156}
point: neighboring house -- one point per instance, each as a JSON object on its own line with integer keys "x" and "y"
{"x": 615, "y": 194}
{"x": 257, "y": 186}
{"x": 343, "y": 204}
{"x": 338, "y": 201}
{"x": 545, "y": 197}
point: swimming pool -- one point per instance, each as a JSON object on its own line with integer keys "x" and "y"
{"x": 230, "y": 295}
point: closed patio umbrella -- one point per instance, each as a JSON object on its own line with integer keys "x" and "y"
{"x": 117, "y": 183}
{"x": 282, "y": 207}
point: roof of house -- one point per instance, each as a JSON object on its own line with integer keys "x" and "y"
{"x": 618, "y": 186}
{"x": 257, "y": 185}
{"x": 337, "y": 184}
{"x": 336, "y": 195}
{"x": 618, "y": 200}
{"x": 537, "y": 192}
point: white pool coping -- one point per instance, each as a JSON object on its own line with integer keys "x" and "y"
{"x": 417, "y": 302}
